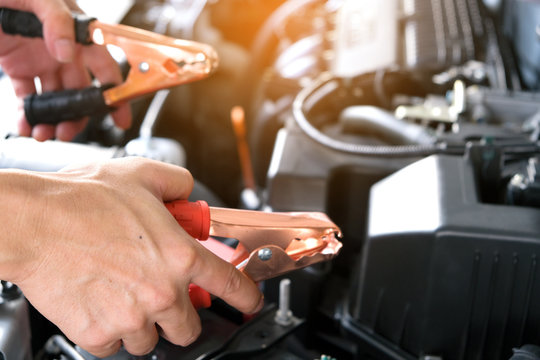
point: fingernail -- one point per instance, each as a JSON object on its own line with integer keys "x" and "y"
{"x": 64, "y": 49}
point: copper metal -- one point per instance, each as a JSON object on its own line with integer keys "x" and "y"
{"x": 295, "y": 239}
{"x": 238, "y": 120}
{"x": 156, "y": 61}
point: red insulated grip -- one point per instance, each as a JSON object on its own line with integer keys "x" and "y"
{"x": 193, "y": 217}
{"x": 200, "y": 298}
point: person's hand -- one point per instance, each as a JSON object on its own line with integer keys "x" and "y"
{"x": 100, "y": 256}
{"x": 58, "y": 62}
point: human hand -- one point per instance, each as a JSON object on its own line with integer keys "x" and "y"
{"x": 100, "y": 256}
{"x": 58, "y": 62}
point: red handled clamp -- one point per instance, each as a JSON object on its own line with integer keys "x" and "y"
{"x": 270, "y": 244}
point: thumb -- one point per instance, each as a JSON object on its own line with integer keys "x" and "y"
{"x": 58, "y": 28}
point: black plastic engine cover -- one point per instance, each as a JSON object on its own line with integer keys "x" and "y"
{"x": 443, "y": 274}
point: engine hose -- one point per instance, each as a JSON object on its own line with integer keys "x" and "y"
{"x": 357, "y": 149}
{"x": 266, "y": 40}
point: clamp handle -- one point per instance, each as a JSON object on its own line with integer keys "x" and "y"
{"x": 66, "y": 105}
{"x": 27, "y": 24}
{"x": 194, "y": 217}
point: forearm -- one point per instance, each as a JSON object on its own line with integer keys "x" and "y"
{"x": 21, "y": 214}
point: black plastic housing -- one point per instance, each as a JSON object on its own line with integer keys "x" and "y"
{"x": 442, "y": 273}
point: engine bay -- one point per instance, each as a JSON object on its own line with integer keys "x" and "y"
{"x": 413, "y": 124}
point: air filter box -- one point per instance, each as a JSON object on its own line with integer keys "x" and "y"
{"x": 442, "y": 273}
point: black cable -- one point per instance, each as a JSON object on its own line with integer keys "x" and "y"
{"x": 357, "y": 149}
{"x": 389, "y": 151}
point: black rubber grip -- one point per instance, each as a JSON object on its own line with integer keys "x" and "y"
{"x": 67, "y": 105}
{"x": 16, "y": 22}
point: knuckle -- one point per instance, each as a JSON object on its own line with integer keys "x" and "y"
{"x": 185, "y": 258}
{"x": 96, "y": 342}
{"x": 163, "y": 298}
{"x": 134, "y": 322}
{"x": 233, "y": 283}
{"x": 142, "y": 349}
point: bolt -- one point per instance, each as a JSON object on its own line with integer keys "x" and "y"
{"x": 144, "y": 67}
{"x": 284, "y": 314}
{"x": 265, "y": 254}
{"x": 9, "y": 291}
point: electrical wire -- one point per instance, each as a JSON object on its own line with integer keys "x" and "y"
{"x": 356, "y": 149}
{"x": 388, "y": 151}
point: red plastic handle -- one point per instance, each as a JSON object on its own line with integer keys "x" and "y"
{"x": 194, "y": 217}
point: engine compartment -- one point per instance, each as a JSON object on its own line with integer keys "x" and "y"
{"x": 414, "y": 124}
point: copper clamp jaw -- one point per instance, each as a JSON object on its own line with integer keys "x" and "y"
{"x": 270, "y": 244}
{"x": 156, "y": 61}
{"x": 273, "y": 244}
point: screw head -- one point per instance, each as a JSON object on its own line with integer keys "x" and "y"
{"x": 144, "y": 67}
{"x": 265, "y": 254}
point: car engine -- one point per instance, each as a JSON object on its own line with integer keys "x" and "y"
{"x": 414, "y": 124}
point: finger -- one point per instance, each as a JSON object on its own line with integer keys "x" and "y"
{"x": 223, "y": 280}
{"x": 122, "y": 116}
{"x": 180, "y": 324}
{"x": 67, "y": 130}
{"x": 57, "y": 29}
{"x": 141, "y": 342}
{"x": 23, "y": 127}
{"x": 26, "y": 58}
{"x": 57, "y": 25}
{"x": 102, "y": 351}
{"x": 169, "y": 182}
{"x": 74, "y": 76}
{"x": 23, "y": 86}
{"x": 43, "y": 132}
{"x": 101, "y": 64}
{"x": 50, "y": 81}
{"x": 107, "y": 71}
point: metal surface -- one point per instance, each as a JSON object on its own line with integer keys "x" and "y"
{"x": 157, "y": 148}
{"x": 439, "y": 111}
{"x": 284, "y": 316}
{"x": 276, "y": 243}
{"x": 15, "y": 331}
{"x": 258, "y": 335}
{"x": 255, "y": 229}
{"x": 157, "y": 61}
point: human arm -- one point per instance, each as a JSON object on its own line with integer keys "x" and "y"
{"x": 58, "y": 62}
{"x": 96, "y": 252}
